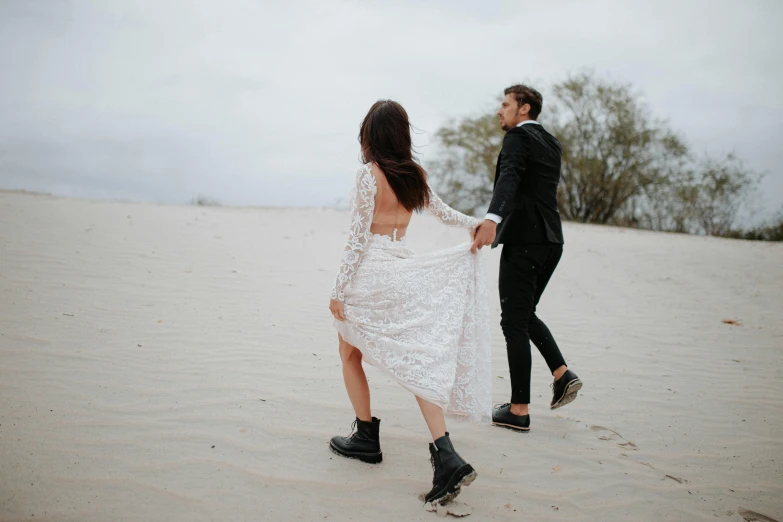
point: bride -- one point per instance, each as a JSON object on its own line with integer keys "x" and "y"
{"x": 420, "y": 319}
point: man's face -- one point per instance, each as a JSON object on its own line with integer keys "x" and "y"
{"x": 510, "y": 114}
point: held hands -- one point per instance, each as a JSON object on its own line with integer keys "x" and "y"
{"x": 484, "y": 235}
{"x": 338, "y": 309}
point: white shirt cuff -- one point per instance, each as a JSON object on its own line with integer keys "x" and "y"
{"x": 494, "y": 217}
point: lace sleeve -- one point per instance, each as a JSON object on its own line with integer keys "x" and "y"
{"x": 362, "y": 209}
{"x": 449, "y": 216}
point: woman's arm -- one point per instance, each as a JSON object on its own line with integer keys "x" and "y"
{"x": 448, "y": 216}
{"x": 362, "y": 210}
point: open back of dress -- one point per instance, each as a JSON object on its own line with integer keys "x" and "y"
{"x": 390, "y": 217}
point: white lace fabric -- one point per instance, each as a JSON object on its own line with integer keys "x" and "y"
{"x": 422, "y": 319}
{"x": 362, "y": 200}
{"x": 362, "y": 205}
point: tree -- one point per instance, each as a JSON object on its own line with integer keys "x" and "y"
{"x": 772, "y": 231}
{"x": 706, "y": 197}
{"x": 463, "y": 173}
{"x": 613, "y": 150}
{"x": 202, "y": 201}
{"x": 620, "y": 165}
{"x": 717, "y": 193}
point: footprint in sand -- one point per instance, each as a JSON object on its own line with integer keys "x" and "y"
{"x": 612, "y": 436}
{"x": 752, "y": 516}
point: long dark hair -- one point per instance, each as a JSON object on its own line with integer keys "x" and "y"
{"x": 385, "y": 137}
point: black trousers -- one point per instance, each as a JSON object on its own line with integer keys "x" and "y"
{"x": 525, "y": 271}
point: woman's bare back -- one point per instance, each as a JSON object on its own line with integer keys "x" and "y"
{"x": 390, "y": 217}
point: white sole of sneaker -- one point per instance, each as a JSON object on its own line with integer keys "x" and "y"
{"x": 511, "y": 427}
{"x": 569, "y": 395}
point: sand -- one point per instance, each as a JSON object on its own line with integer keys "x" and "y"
{"x": 179, "y": 363}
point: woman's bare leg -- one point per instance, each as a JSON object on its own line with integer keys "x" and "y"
{"x": 450, "y": 471}
{"x": 355, "y": 380}
{"x": 433, "y": 416}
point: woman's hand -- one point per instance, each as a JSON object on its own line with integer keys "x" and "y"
{"x": 338, "y": 309}
{"x": 472, "y": 230}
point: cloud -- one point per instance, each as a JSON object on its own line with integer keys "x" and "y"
{"x": 260, "y": 102}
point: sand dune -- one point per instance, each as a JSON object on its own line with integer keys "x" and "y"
{"x": 179, "y": 363}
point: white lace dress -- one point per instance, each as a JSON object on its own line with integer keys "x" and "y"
{"x": 422, "y": 319}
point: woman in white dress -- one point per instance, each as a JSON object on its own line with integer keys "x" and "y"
{"x": 421, "y": 319}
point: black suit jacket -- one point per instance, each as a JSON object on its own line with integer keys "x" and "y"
{"x": 525, "y": 193}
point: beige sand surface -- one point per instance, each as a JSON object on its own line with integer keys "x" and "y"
{"x": 179, "y": 363}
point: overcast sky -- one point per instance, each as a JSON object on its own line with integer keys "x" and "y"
{"x": 253, "y": 102}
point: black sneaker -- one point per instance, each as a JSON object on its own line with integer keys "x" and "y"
{"x": 450, "y": 472}
{"x": 502, "y": 416}
{"x": 363, "y": 443}
{"x": 564, "y": 389}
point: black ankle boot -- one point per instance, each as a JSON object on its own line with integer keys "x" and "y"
{"x": 363, "y": 444}
{"x": 451, "y": 472}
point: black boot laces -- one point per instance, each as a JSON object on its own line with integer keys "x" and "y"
{"x": 434, "y": 469}
{"x": 354, "y": 431}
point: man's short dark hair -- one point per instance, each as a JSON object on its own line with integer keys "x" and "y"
{"x": 529, "y": 95}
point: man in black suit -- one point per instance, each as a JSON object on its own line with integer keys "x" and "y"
{"x": 523, "y": 216}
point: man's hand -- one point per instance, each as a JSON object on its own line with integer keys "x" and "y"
{"x": 338, "y": 309}
{"x": 485, "y": 235}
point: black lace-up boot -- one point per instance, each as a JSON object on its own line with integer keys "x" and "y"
{"x": 450, "y": 471}
{"x": 363, "y": 443}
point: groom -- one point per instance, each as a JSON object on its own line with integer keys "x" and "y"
{"x": 523, "y": 216}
